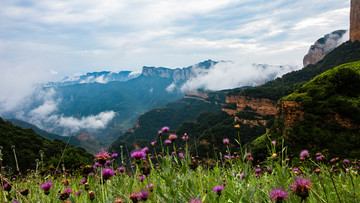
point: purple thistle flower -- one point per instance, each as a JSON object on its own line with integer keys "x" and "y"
{"x": 278, "y": 194}
{"x": 145, "y": 149}
{"x": 114, "y": 155}
{"x": 301, "y": 187}
{"x": 134, "y": 196}
{"x": 165, "y": 129}
{"x": 141, "y": 178}
{"x": 346, "y": 161}
{"x": 46, "y": 186}
{"x": 258, "y": 170}
{"x": 185, "y": 137}
{"x": 108, "y": 162}
{"x": 332, "y": 160}
{"x": 102, "y": 156}
{"x": 296, "y": 170}
{"x": 273, "y": 142}
{"x": 143, "y": 196}
{"x": 173, "y": 153}
{"x": 235, "y": 172}
{"x": 160, "y": 132}
{"x": 82, "y": 181}
{"x": 242, "y": 176}
{"x": 303, "y": 154}
{"x": 138, "y": 155}
{"x": 195, "y": 200}
{"x": 226, "y": 141}
{"x": 107, "y": 173}
{"x": 150, "y": 186}
{"x": 181, "y": 155}
{"x": 269, "y": 169}
{"x": 152, "y": 143}
{"x": 248, "y": 154}
{"x": 226, "y": 157}
{"x": 319, "y": 158}
{"x": 65, "y": 194}
{"x": 122, "y": 169}
{"x": 167, "y": 142}
{"x": 217, "y": 189}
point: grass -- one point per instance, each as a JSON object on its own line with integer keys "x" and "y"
{"x": 176, "y": 179}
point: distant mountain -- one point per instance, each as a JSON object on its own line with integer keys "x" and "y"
{"x": 28, "y": 145}
{"x": 97, "y": 77}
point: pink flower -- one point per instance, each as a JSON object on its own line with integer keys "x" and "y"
{"x": 172, "y": 137}
{"x": 226, "y": 141}
{"x": 102, "y": 157}
{"x": 301, "y": 187}
{"x": 217, "y": 189}
{"x": 138, "y": 155}
{"x": 278, "y": 194}
{"x": 165, "y": 129}
{"x": 107, "y": 173}
{"x": 167, "y": 142}
{"x": 303, "y": 154}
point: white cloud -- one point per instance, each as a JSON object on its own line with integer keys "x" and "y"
{"x": 92, "y": 122}
{"x": 228, "y": 75}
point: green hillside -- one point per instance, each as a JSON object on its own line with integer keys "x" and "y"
{"x": 345, "y": 53}
{"x": 51, "y": 136}
{"x": 28, "y": 144}
{"x": 330, "y": 115}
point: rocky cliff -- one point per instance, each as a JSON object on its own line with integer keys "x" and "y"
{"x": 355, "y": 20}
{"x": 178, "y": 73}
{"x": 260, "y": 109}
{"x": 323, "y": 46}
{"x": 290, "y": 111}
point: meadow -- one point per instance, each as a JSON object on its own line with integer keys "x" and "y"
{"x": 173, "y": 175}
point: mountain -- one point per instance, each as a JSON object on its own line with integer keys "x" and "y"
{"x": 51, "y": 136}
{"x": 323, "y": 46}
{"x": 172, "y": 115}
{"x": 96, "y": 77}
{"x": 27, "y": 145}
{"x": 323, "y": 114}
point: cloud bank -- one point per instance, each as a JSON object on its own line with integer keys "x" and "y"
{"x": 229, "y": 75}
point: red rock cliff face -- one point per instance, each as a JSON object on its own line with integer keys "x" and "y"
{"x": 264, "y": 107}
{"x": 291, "y": 111}
{"x": 355, "y": 20}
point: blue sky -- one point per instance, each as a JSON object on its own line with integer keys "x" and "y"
{"x": 63, "y": 37}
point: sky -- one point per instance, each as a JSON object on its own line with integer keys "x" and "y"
{"x": 48, "y": 40}
{"x": 43, "y": 40}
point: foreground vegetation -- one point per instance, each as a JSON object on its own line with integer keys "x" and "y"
{"x": 178, "y": 177}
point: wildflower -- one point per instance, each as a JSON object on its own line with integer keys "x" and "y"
{"x": 273, "y": 142}
{"x": 134, "y": 196}
{"x": 346, "y": 161}
{"x": 181, "y": 155}
{"x": 224, "y": 184}
{"x": 165, "y": 129}
{"x": 250, "y": 158}
{"x": 107, "y": 173}
{"x": 153, "y": 144}
{"x": 108, "y": 162}
{"x": 114, "y": 155}
{"x": 217, "y": 189}
{"x": 167, "y": 142}
{"x": 82, "y": 181}
{"x": 118, "y": 200}
{"x": 226, "y": 141}
{"x": 145, "y": 149}
{"x": 46, "y": 187}
{"x": 65, "y": 194}
{"x": 102, "y": 157}
{"x": 150, "y": 187}
{"x": 173, "y": 153}
{"x": 248, "y": 154}
{"x": 237, "y": 126}
{"x": 172, "y": 137}
{"x": 78, "y": 193}
{"x": 122, "y": 169}
{"x": 92, "y": 195}
{"x": 138, "y": 155}
{"x": 269, "y": 169}
{"x": 87, "y": 186}
{"x": 301, "y": 187}
{"x": 195, "y": 200}
{"x": 141, "y": 178}
{"x": 235, "y": 172}
{"x": 303, "y": 154}
{"x": 332, "y": 160}
{"x": 143, "y": 196}
{"x": 160, "y": 132}
{"x": 7, "y": 187}
{"x": 185, "y": 137}
{"x": 258, "y": 170}
{"x": 226, "y": 157}
{"x": 278, "y": 194}
{"x": 319, "y": 158}
{"x": 274, "y": 156}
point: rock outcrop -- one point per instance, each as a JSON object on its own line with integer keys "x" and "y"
{"x": 291, "y": 111}
{"x": 355, "y": 20}
{"x": 323, "y": 46}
